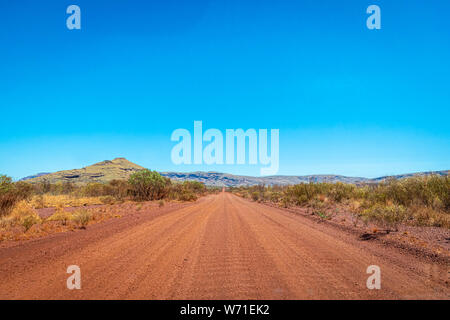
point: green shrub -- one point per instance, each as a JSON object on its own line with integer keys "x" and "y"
{"x": 93, "y": 190}
{"x": 340, "y": 191}
{"x": 149, "y": 185}
{"x": 194, "y": 186}
{"x": 416, "y": 200}
{"x": 388, "y": 216}
{"x": 7, "y": 196}
{"x": 11, "y": 193}
{"x": 119, "y": 189}
{"x": 187, "y": 195}
{"x": 321, "y": 214}
{"x": 255, "y": 196}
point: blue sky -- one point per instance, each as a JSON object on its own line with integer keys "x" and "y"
{"x": 347, "y": 100}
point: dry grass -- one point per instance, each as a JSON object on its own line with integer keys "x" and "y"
{"x": 61, "y": 215}
{"x": 82, "y": 218}
{"x": 64, "y": 200}
{"x": 21, "y": 215}
{"x": 19, "y": 200}
{"x": 24, "y": 222}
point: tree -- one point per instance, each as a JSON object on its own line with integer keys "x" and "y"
{"x": 149, "y": 185}
{"x": 8, "y": 195}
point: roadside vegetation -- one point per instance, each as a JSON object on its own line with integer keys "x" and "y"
{"x": 20, "y": 202}
{"x": 417, "y": 201}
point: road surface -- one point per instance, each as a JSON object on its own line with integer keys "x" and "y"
{"x": 220, "y": 247}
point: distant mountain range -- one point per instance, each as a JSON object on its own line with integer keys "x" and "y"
{"x": 229, "y": 180}
{"x": 121, "y": 168}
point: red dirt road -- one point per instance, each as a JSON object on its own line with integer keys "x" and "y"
{"x": 220, "y": 247}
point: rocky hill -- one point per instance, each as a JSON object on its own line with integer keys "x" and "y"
{"x": 409, "y": 175}
{"x": 119, "y": 168}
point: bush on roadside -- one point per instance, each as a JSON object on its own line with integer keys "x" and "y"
{"x": 389, "y": 216}
{"x": 8, "y": 198}
{"x": 107, "y": 200}
{"x": 60, "y": 215}
{"x": 11, "y": 193}
{"x": 421, "y": 201}
{"x": 149, "y": 185}
{"x": 119, "y": 189}
{"x": 82, "y": 218}
{"x": 255, "y": 195}
{"x": 188, "y": 196}
{"x": 23, "y": 214}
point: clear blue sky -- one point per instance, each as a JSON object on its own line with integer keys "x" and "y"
{"x": 347, "y": 100}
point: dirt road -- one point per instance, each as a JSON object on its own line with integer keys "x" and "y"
{"x": 220, "y": 247}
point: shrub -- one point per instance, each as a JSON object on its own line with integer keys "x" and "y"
{"x": 107, "y": 200}
{"x": 322, "y": 215}
{"x": 42, "y": 187}
{"x": 28, "y": 222}
{"x": 8, "y": 198}
{"x": 119, "y": 189}
{"x": 340, "y": 191}
{"x": 38, "y": 201}
{"x": 285, "y": 203}
{"x": 148, "y": 185}
{"x": 389, "y": 216}
{"x": 23, "y": 214}
{"x": 6, "y": 221}
{"x": 82, "y": 218}
{"x": 11, "y": 193}
{"x": 194, "y": 186}
{"x": 60, "y": 215}
{"x": 187, "y": 191}
{"x": 23, "y": 190}
{"x": 275, "y": 196}
{"x": 93, "y": 190}
{"x": 187, "y": 195}
{"x": 416, "y": 200}
{"x": 61, "y": 187}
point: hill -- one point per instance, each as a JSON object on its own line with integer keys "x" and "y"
{"x": 105, "y": 171}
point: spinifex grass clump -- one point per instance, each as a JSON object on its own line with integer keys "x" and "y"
{"x": 21, "y": 215}
{"x": 82, "y": 218}
{"x": 61, "y": 215}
